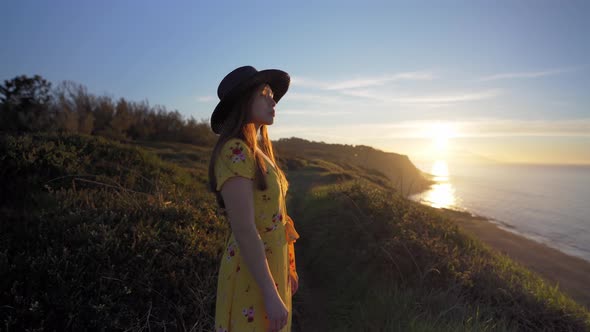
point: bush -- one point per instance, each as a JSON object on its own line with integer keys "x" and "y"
{"x": 99, "y": 235}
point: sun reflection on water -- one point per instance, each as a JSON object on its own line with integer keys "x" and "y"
{"x": 442, "y": 193}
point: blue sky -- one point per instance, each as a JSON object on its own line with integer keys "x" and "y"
{"x": 501, "y": 80}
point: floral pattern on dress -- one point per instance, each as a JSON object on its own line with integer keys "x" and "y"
{"x": 231, "y": 250}
{"x": 240, "y": 303}
{"x": 237, "y": 152}
{"x": 249, "y": 313}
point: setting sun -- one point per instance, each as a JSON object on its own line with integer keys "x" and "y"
{"x": 441, "y": 133}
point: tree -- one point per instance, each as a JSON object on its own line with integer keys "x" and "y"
{"x": 122, "y": 120}
{"x": 103, "y": 115}
{"x": 25, "y": 104}
{"x": 76, "y": 108}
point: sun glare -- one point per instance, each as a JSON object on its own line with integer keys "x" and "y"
{"x": 441, "y": 133}
{"x": 442, "y": 193}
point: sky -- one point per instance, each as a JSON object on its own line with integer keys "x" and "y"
{"x": 500, "y": 81}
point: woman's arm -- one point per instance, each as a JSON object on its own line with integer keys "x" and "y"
{"x": 238, "y": 197}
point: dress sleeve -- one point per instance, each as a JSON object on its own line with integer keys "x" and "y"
{"x": 292, "y": 237}
{"x": 234, "y": 159}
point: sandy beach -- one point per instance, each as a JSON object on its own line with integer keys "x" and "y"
{"x": 572, "y": 273}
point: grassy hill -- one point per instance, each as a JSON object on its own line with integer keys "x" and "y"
{"x": 386, "y": 168}
{"x": 97, "y": 234}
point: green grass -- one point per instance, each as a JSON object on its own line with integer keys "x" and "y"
{"x": 101, "y": 235}
{"x": 389, "y": 264}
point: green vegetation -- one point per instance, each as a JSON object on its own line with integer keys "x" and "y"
{"x": 97, "y": 234}
{"x": 372, "y": 260}
{"x": 32, "y": 104}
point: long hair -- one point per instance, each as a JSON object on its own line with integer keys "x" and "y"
{"x": 237, "y": 125}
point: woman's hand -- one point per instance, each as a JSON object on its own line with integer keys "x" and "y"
{"x": 277, "y": 312}
{"x": 294, "y": 282}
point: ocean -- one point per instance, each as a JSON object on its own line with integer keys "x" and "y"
{"x": 546, "y": 203}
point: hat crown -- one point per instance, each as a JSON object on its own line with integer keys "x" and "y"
{"x": 234, "y": 78}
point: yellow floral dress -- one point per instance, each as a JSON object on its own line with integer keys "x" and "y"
{"x": 239, "y": 304}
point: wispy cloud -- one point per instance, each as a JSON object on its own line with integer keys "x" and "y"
{"x": 538, "y": 128}
{"x": 362, "y": 98}
{"x": 313, "y": 97}
{"x": 313, "y": 112}
{"x": 364, "y": 90}
{"x": 205, "y": 99}
{"x": 360, "y": 82}
{"x": 445, "y": 98}
{"x": 529, "y": 74}
{"x": 423, "y": 129}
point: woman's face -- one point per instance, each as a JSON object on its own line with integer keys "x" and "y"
{"x": 263, "y": 106}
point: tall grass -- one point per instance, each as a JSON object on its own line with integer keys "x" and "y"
{"x": 386, "y": 263}
{"x": 96, "y": 235}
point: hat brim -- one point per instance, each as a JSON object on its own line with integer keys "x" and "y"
{"x": 278, "y": 80}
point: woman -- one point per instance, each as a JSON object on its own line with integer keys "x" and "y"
{"x": 257, "y": 274}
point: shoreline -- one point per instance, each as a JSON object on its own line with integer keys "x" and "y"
{"x": 570, "y": 272}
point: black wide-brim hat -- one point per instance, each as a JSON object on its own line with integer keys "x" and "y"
{"x": 240, "y": 80}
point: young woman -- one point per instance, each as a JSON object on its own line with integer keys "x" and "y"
{"x": 257, "y": 274}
